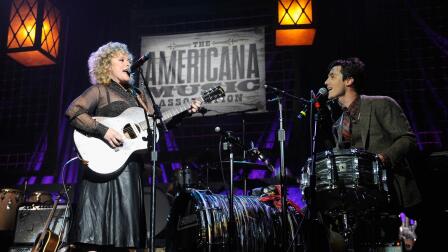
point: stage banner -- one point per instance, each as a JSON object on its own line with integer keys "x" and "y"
{"x": 182, "y": 66}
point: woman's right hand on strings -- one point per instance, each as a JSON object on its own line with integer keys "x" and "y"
{"x": 113, "y": 138}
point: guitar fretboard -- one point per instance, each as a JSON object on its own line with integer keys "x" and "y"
{"x": 169, "y": 113}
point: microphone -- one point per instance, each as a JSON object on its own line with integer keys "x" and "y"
{"x": 255, "y": 152}
{"x": 229, "y": 137}
{"x": 138, "y": 63}
{"x": 314, "y": 101}
{"x": 322, "y": 92}
{"x": 251, "y": 150}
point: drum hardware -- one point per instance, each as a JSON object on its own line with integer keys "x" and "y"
{"x": 365, "y": 230}
{"x": 347, "y": 231}
{"x": 343, "y": 224}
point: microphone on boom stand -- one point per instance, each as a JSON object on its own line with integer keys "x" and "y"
{"x": 314, "y": 101}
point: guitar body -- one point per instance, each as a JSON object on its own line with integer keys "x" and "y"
{"x": 98, "y": 154}
{"x": 49, "y": 243}
{"x": 100, "y": 158}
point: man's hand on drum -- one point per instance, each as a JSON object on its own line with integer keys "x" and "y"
{"x": 385, "y": 161}
{"x": 195, "y": 105}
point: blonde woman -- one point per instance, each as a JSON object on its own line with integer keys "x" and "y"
{"x": 110, "y": 213}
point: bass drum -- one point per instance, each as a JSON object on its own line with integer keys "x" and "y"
{"x": 198, "y": 221}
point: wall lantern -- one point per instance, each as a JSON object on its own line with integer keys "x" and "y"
{"x": 294, "y": 23}
{"x": 34, "y": 32}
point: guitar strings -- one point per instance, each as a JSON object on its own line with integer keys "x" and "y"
{"x": 207, "y": 97}
{"x": 128, "y": 128}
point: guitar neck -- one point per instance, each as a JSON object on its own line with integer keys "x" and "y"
{"x": 174, "y": 111}
{"x": 170, "y": 113}
{"x": 47, "y": 224}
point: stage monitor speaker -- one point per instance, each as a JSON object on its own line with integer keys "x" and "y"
{"x": 31, "y": 220}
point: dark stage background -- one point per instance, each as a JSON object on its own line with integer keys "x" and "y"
{"x": 404, "y": 44}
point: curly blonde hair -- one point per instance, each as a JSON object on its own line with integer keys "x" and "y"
{"x": 100, "y": 60}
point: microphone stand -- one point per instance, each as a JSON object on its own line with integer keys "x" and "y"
{"x": 284, "y": 93}
{"x": 281, "y": 139}
{"x": 313, "y": 131}
{"x": 310, "y": 193}
{"x": 227, "y": 145}
{"x": 152, "y": 132}
{"x": 243, "y": 121}
{"x": 243, "y": 113}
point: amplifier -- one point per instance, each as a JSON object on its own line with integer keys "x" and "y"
{"x": 31, "y": 220}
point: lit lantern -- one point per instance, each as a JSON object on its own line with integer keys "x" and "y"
{"x": 295, "y": 21}
{"x": 34, "y": 32}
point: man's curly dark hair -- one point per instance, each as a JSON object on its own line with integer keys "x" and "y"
{"x": 351, "y": 68}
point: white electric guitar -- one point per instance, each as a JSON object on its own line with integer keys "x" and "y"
{"x": 101, "y": 158}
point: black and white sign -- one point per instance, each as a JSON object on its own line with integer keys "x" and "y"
{"x": 181, "y": 66}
